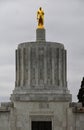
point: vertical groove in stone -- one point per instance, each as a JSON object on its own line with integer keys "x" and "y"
{"x": 36, "y": 65}
{"x": 49, "y": 65}
{"x": 33, "y": 66}
{"x": 58, "y": 81}
{"x": 53, "y": 67}
{"x": 16, "y": 55}
{"x": 29, "y": 66}
{"x": 22, "y": 66}
{"x": 59, "y": 70}
{"x": 25, "y": 66}
{"x": 41, "y": 65}
{"x": 65, "y": 68}
{"x": 19, "y": 59}
{"x": 62, "y": 72}
{"x": 45, "y": 66}
{"x": 60, "y": 67}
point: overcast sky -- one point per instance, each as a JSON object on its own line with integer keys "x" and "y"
{"x": 64, "y": 22}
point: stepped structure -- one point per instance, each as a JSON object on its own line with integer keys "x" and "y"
{"x": 41, "y": 71}
{"x": 41, "y": 99}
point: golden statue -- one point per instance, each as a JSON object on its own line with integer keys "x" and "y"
{"x": 40, "y": 18}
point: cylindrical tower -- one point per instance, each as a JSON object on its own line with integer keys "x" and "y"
{"x": 41, "y": 71}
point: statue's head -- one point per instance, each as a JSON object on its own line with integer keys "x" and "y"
{"x": 40, "y": 8}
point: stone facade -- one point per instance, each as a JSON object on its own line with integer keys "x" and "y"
{"x": 41, "y": 92}
{"x": 20, "y": 115}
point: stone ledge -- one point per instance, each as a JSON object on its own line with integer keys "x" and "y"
{"x": 51, "y": 44}
{"x": 75, "y": 104}
{"x": 78, "y": 110}
{"x": 5, "y": 109}
{"x": 26, "y": 91}
{"x": 41, "y": 97}
{"x": 6, "y": 106}
{"x": 76, "y": 107}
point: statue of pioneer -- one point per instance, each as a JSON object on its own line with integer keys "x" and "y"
{"x": 40, "y": 18}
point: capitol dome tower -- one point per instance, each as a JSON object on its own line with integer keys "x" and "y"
{"x": 41, "y": 71}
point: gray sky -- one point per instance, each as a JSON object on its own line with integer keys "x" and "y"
{"x": 64, "y": 22}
